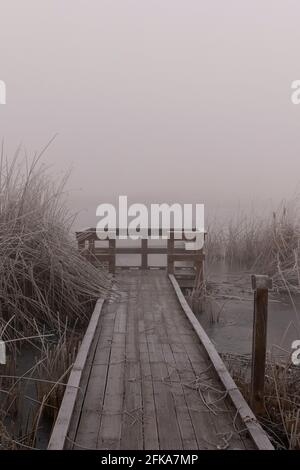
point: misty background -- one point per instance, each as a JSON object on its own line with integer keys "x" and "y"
{"x": 160, "y": 100}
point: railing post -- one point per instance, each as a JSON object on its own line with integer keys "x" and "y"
{"x": 260, "y": 285}
{"x": 92, "y": 246}
{"x": 170, "y": 254}
{"x": 112, "y": 253}
{"x": 81, "y": 245}
{"x": 91, "y": 250}
{"x": 144, "y": 253}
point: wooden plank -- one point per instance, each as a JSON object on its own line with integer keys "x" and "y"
{"x": 168, "y": 428}
{"x": 91, "y": 233}
{"x": 201, "y": 418}
{"x": 186, "y": 427}
{"x": 255, "y": 430}
{"x": 150, "y": 250}
{"x": 109, "y": 435}
{"x": 149, "y": 416}
{"x": 132, "y": 424}
{"x": 77, "y": 412}
{"x": 58, "y": 437}
{"x": 88, "y": 427}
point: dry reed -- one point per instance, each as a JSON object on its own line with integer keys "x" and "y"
{"x": 282, "y": 400}
{"x": 42, "y": 275}
{"x": 266, "y": 245}
{"x": 47, "y": 293}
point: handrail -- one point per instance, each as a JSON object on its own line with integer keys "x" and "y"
{"x": 86, "y": 244}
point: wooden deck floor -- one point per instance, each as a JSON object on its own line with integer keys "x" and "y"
{"x": 148, "y": 383}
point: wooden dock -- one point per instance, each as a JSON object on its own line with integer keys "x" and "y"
{"x": 148, "y": 377}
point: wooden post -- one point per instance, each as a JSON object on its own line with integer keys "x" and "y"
{"x": 81, "y": 246}
{"x": 261, "y": 286}
{"x": 91, "y": 250}
{"x": 170, "y": 253}
{"x": 144, "y": 253}
{"x": 92, "y": 246}
{"x": 112, "y": 253}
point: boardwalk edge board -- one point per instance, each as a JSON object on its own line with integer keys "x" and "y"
{"x": 255, "y": 430}
{"x": 61, "y": 427}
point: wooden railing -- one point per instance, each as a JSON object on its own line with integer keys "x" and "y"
{"x": 87, "y": 246}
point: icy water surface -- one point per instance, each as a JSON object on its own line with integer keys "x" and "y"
{"x": 228, "y": 319}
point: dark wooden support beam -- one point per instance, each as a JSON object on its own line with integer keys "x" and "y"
{"x": 260, "y": 285}
{"x": 112, "y": 255}
{"x": 144, "y": 253}
{"x": 170, "y": 250}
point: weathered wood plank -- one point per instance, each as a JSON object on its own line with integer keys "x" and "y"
{"x": 149, "y": 411}
{"x": 62, "y": 424}
{"x": 77, "y": 412}
{"x": 168, "y": 428}
{"x": 183, "y": 416}
{"x": 132, "y": 425}
{"x": 109, "y": 435}
{"x": 88, "y": 427}
{"x": 201, "y": 419}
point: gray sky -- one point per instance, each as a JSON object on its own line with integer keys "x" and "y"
{"x": 160, "y": 100}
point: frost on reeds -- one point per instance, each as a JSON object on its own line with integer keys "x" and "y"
{"x": 47, "y": 294}
{"x": 281, "y": 418}
{"x": 266, "y": 245}
{"x": 42, "y": 275}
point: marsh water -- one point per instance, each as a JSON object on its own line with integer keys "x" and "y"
{"x": 228, "y": 317}
{"x": 28, "y": 402}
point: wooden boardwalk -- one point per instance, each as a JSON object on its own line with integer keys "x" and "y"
{"x": 149, "y": 383}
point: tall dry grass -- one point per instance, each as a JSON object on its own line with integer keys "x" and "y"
{"x": 30, "y": 398}
{"x": 268, "y": 245}
{"x": 47, "y": 293}
{"x": 281, "y": 418}
{"x": 42, "y": 275}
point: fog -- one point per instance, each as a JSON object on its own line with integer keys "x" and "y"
{"x": 159, "y": 100}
